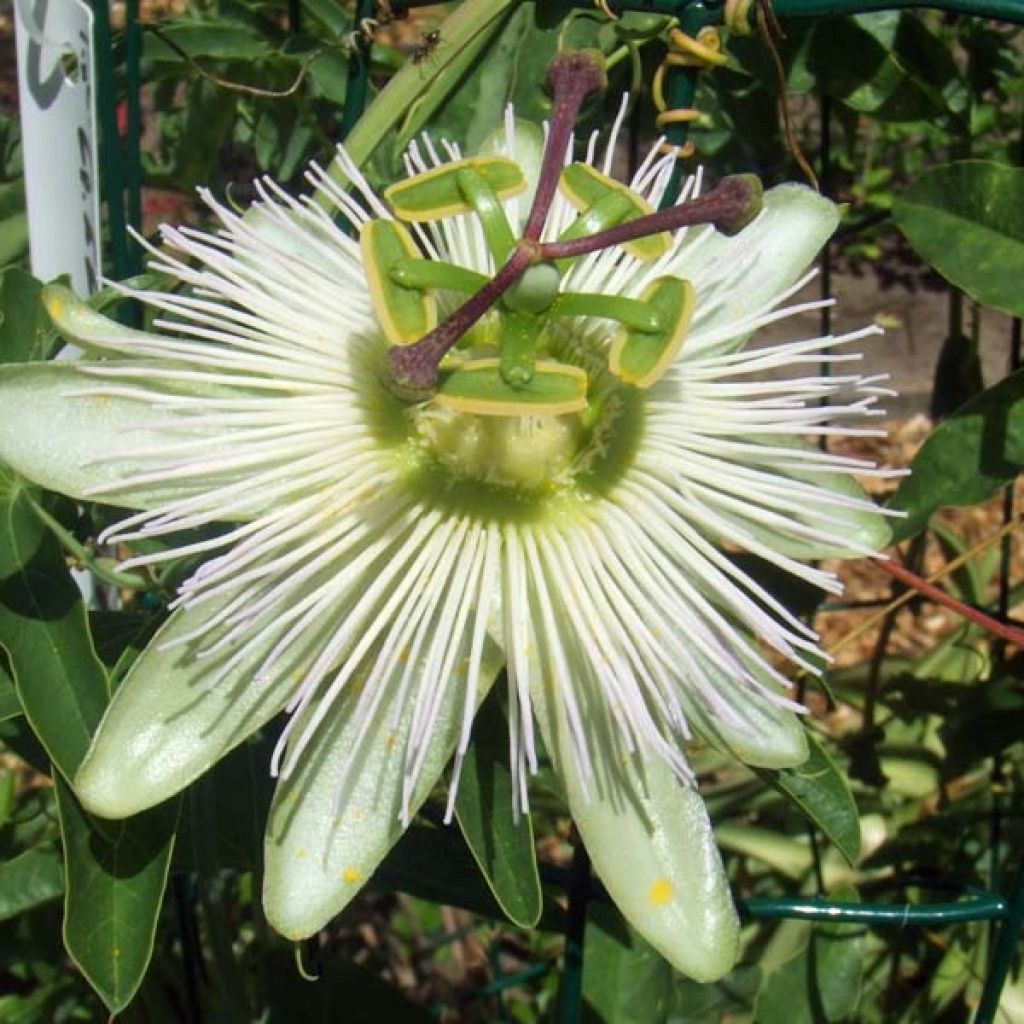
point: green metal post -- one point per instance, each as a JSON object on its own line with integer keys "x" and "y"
{"x": 1002, "y": 956}
{"x": 111, "y": 173}
{"x": 576, "y": 926}
{"x": 358, "y": 84}
{"x": 133, "y": 142}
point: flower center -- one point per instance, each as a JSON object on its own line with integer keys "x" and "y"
{"x": 534, "y": 455}
{"x": 518, "y": 453}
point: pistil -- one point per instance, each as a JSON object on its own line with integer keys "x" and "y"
{"x": 414, "y": 368}
{"x": 572, "y": 77}
{"x": 730, "y": 206}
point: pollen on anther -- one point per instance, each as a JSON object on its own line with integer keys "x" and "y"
{"x": 351, "y": 876}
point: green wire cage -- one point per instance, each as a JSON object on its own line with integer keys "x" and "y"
{"x": 118, "y": 79}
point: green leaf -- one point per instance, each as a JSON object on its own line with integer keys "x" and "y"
{"x": 17, "y": 736}
{"x": 435, "y": 864}
{"x": 822, "y": 983}
{"x": 625, "y": 980}
{"x": 729, "y": 999}
{"x": 60, "y": 681}
{"x": 340, "y": 983}
{"x": 858, "y": 60}
{"x": 985, "y": 721}
{"x": 329, "y": 14}
{"x": 116, "y": 874}
{"x": 226, "y": 809}
{"x": 820, "y": 790}
{"x": 26, "y": 334}
{"x": 502, "y": 847}
{"x": 979, "y": 449}
{"x": 220, "y": 40}
{"x": 10, "y": 706}
{"x": 30, "y": 879}
{"x": 967, "y": 220}
{"x": 13, "y": 227}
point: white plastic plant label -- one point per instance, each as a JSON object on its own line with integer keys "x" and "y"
{"x": 56, "y": 85}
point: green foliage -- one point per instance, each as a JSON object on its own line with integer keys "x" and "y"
{"x": 625, "y": 981}
{"x": 501, "y": 845}
{"x": 903, "y": 795}
{"x": 821, "y": 983}
{"x": 116, "y": 873}
{"x": 60, "y": 682}
{"x": 820, "y": 790}
{"x": 977, "y": 450}
{"x": 967, "y": 220}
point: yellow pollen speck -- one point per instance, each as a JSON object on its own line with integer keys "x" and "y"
{"x": 661, "y": 892}
{"x": 56, "y": 308}
{"x": 391, "y": 741}
{"x": 356, "y": 814}
{"x": 351, "y": 876}
{"x": 303, "y": 852}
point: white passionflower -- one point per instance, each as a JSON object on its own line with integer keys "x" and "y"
{"x": 384, "y": 559}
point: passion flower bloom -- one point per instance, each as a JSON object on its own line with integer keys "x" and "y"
{"x": 560, "y": 485}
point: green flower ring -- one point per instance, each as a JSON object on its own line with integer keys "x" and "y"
{"x": 556, "y": 491}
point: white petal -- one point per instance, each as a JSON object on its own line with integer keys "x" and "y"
{"x": 739, "y": 277}
{"x": 55, "y": 420}
{"x": 651, "y": 844}
{"x": 172, "y": 717}
{"x": 336, "y": 816}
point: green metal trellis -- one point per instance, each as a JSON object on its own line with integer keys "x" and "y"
{"x": 121, "y": 191}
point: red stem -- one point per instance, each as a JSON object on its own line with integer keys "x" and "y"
{"x": 1008, "y": 633}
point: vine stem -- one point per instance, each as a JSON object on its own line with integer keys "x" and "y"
{"x": 1010, "y": 634}
{"x": 948, "y": 568}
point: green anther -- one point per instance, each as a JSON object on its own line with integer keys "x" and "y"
{"x": 487, "y": 206}
{"x": 519, "y": 337}
{"x": 405, "y": 314}
{"x": 535, "y": 291}
{"x": 641, "y": 358}
{"x": 586, "y": 188}
{"x": 436, "y": 275}
{"x": 631, "y": 313}
{"x": 604, "y": 214}
{"x": 436, "y": 194}
{"x": 478, "y": 387}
